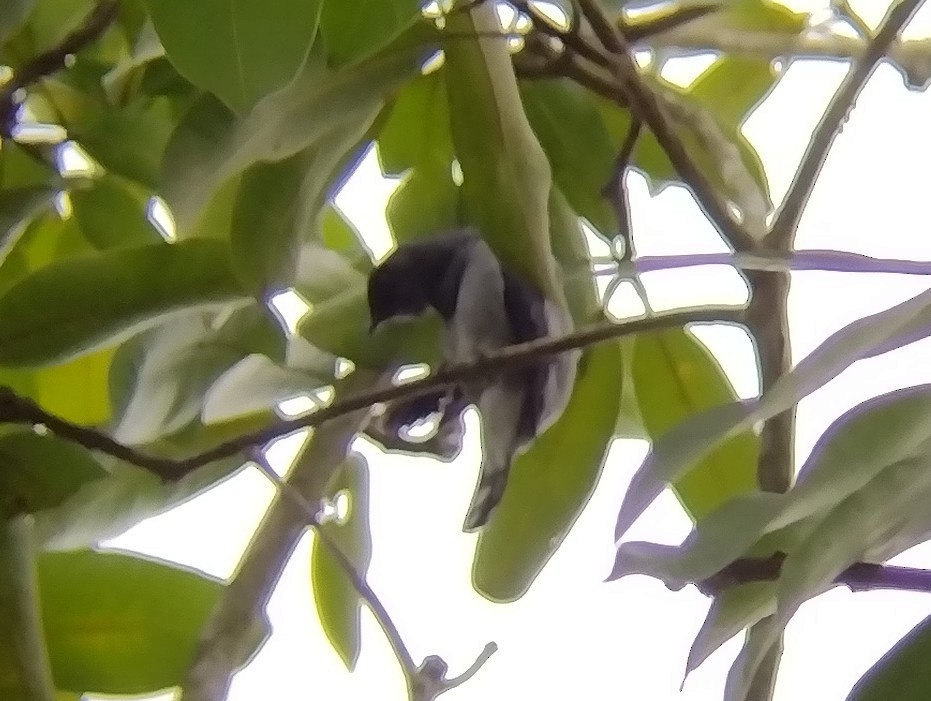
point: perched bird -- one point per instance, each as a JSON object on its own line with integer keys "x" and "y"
{"x": 485, "y": 307}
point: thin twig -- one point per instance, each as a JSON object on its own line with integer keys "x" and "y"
{"x": 615, "y": 190}
{"x": 424, "y": 683}
{"x": 860, "y": 576}
{"x": 45, "y": 64}
{"x": 358, "y": 581}
{"x": 783, "y": 231}
{"x": 15, "y": 409}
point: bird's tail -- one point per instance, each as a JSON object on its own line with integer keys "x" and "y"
{"x": 500, "y": 406}
{"x": 487, "y": 496}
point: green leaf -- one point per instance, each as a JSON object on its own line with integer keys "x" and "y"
{"x": 731, "y": 611}
{"x": 240, "y": 50}
{"x": 279, "y": 204}
{"x": 717, "y": 540}
{"x": 416, "y": 131}
{"x": 506, "y": 176}
{"x": 759, "y": 644}
{"x": 902, "y": 673}
{"x": 355, "y": 30}
{"x": 13, "y": 13}
{"x": 689, "y": 441}
{"x": 868, "y": 480}
{"x": 76, "y": 390}
{"x": 17, "y": 207}
{"x": 578, "y": 146}
{"x": 39, "y": 472}
{"x": 338, "y": 603}
{"x": 265, "y": 237}
{"x": 257, "y": 383}
{"x": 196, "y": 139}
{"x": 107, "y": 507}
{"x": 145, "y": 49}
{"x": 50, "y": 22}
{"x": 111, "y": 217}
{"x": 675, "y": 376}
{"x": 93, "y": 300}
{"x": 762, "y": 15}
{"x": 121, "y": 624}
{"x": 130, "y": 141}
{"x": 550, "y": 484}
{"x": 160, "y": 378}
{"x": 210, "y": 147}
{"x": 428, "y": 201}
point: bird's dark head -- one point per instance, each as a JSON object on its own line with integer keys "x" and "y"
{"x": 396, "y": 289}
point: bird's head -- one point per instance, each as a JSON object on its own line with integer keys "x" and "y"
{"x": 396, "y": 290}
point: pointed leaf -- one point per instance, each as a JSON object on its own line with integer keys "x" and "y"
{"x": 93, "y": 300}
{"x": 731, "y": 611}
{"x": 249, "y": 50}
{"x": 257, "y": 383}
{"x": 159, "y": 379}
{"x": 338, "y": 603}
{"x": 578, "y": 146}
{"x": 762, "y": 640}
{"x": 506, "y": 175}
{"x": 675, "y": 376}
{"x": 674, "y": 454}
{"x": 305, "y": 112}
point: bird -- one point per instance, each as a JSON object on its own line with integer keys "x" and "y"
{"x": 484, "y": 307}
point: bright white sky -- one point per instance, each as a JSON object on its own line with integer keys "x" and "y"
{"x": 572, "y": 635}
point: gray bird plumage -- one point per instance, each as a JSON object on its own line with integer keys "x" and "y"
{"x": 484, "y": 308}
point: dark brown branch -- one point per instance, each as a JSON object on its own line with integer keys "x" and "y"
{"x": 541, "y": 61}
{"x": 646, "y": 105}
{"x": 571, "y": 38}
{"x": 643, "y": 30}
{"x": 15, "y": 409}
{"x": 783, "y": 230}
{"x": 861, "y": 576}
{"x": 616, "y": 192}
{"x": 45, "y": 64}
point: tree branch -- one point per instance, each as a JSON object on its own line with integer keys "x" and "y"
{"x": 786, "y": 223}
{"x": 645, "y": 104}
{"x": 860, "y": 576}
{"x": 45, "y": 64}
{"x": 15, "y": 409}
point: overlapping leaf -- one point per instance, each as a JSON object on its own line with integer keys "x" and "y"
{"x": 250, "y": 48}
{"x": 119, "y": 624}
{"x": 674, "y": 454}
{"x": 337, "y": 600}
{"x": 675, "y": 376}
{"x": 550, "y": 484}
{"x": 93, "y": 300}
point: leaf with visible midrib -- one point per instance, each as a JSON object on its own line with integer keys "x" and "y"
{"x": 74, "y": 306}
